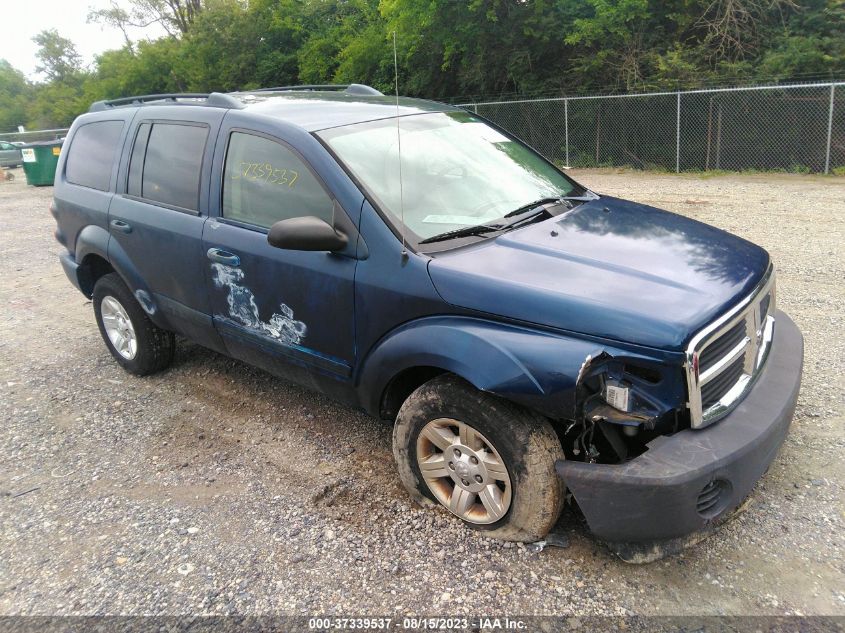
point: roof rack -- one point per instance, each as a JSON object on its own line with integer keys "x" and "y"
{"x": 212, "y": 100}
{"x": 352, "y": 89}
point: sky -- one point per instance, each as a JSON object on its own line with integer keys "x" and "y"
{"x": 22, "y": 19}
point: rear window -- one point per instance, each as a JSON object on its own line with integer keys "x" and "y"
{"x": 169, "y": 172}
{"x": 91, "y": 154}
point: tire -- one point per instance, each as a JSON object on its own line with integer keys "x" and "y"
{"x": 153, "y": 347}
{"x": 522, "y": 441}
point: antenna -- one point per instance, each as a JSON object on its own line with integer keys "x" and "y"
{"x": 399, "y": 147}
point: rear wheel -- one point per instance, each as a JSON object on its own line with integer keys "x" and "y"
{"x": 486, "y": 460}
{"x": 134, "y": 341}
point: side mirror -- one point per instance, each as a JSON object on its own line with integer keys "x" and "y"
{"x": 307, "y": 233}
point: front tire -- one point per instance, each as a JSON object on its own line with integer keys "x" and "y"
{"x": 486, "y": 460}
{"x": 135, "y": 342}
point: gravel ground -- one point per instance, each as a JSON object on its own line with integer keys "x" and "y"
{"x": 215, "y": 488}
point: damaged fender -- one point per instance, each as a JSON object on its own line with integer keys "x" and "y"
{"x": 538, "y": 370}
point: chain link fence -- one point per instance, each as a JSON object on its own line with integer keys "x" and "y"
{"x": 796, "y": 128}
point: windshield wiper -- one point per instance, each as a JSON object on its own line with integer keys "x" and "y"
{"x": 532, "y": 205}
{"x": 589, "y": 195}
{"x": 467, "y": 231}
{"x": 586, "y": 198}
{"x": 534, "y": 210}
{"x": 527, "y": 212}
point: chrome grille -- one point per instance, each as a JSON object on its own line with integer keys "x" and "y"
{"x": 711, "y": 354}
{"x": 723, "y": 359}
{"x": 714, "y": 390}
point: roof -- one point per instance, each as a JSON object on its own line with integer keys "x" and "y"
{"x": 319, "y": 110}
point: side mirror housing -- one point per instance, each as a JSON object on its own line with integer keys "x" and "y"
{"x": 307, "y": 233}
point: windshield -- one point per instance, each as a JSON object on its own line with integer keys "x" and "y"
{"x": 457, "y": 171}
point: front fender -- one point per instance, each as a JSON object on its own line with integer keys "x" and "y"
{"x": 534, "y": 368}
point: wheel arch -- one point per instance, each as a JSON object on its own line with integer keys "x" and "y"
{"x": 402, "y": 385}
{"x": 91, "y": 254}
{"x": 97, "y": 255}
{"x": 91, "y": 269}
{"x": 489, "y": 355}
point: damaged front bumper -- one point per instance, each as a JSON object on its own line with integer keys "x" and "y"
{"x": 686, "y": 484}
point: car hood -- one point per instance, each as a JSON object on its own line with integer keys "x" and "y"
{"x": 609, "y": 268}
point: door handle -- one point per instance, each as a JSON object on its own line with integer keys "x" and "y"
{"x": 120, "y": 225}
{"x": 223, "y": 257}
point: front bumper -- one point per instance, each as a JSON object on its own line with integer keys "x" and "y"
{"x": 649, "y": 506}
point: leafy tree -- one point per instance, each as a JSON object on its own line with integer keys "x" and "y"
{"x": 446, "y": 48}
{"x": 368, "y": 55}
{"x": 332, "y": 27}
{"x": 151, "y": 69}
{"x": 812, "y": 44}
{"x": 57, "y": 56}
{"x": 14, "y": 95}
{"x": 175, "y": 16}
{"x": 60, "y": 99}
{"x": 735, "y": 27}
{"x": 480, "y": 46}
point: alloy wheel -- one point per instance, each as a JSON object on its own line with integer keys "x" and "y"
{"x": 119, "y": 327}
{"x": 464, "y": 471}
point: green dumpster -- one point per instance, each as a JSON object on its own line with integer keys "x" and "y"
{"x": 40, "y": 160}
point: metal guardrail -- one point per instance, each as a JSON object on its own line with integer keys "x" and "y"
{"x": 34, "y": 135}
{"x": 798, "y": 128}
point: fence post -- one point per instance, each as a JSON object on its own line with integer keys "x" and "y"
{"x": 566, "y": 127}
{"x": 678, "y": 136}
{"x": 829, "y": 129}
{"x": 475, "y": 107}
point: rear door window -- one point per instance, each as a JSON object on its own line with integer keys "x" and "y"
{"x": 264, "y": 181}
{"x": 170, "y": 169}
{"x": 92, "y": 153}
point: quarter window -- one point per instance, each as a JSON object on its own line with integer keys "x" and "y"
{"x": 169, "y": 171}
{"x": 92, "y": 153}
{"x": 264, "y": 182}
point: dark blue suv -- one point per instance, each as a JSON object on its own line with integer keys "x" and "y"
{"x": 525, "y": 335}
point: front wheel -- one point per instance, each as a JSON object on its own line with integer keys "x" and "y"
{"x": 486, "y": 460}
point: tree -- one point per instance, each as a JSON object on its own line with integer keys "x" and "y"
{"x": 57, "y": 56}
{"x": 58, "y": 100}
{"x": 330, "y": 27}
{"x": 480, "y": 46}
{"x": 14, "y": 92}
{"x": 734, "y": 27}
{"x": 446, "y": 48}
{"x": 175, "y": 16}
{"x": 619, "y": 41}
{"x": 152, "y": 68}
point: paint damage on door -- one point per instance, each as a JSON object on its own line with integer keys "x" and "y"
{"x": 244, "y": 310}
